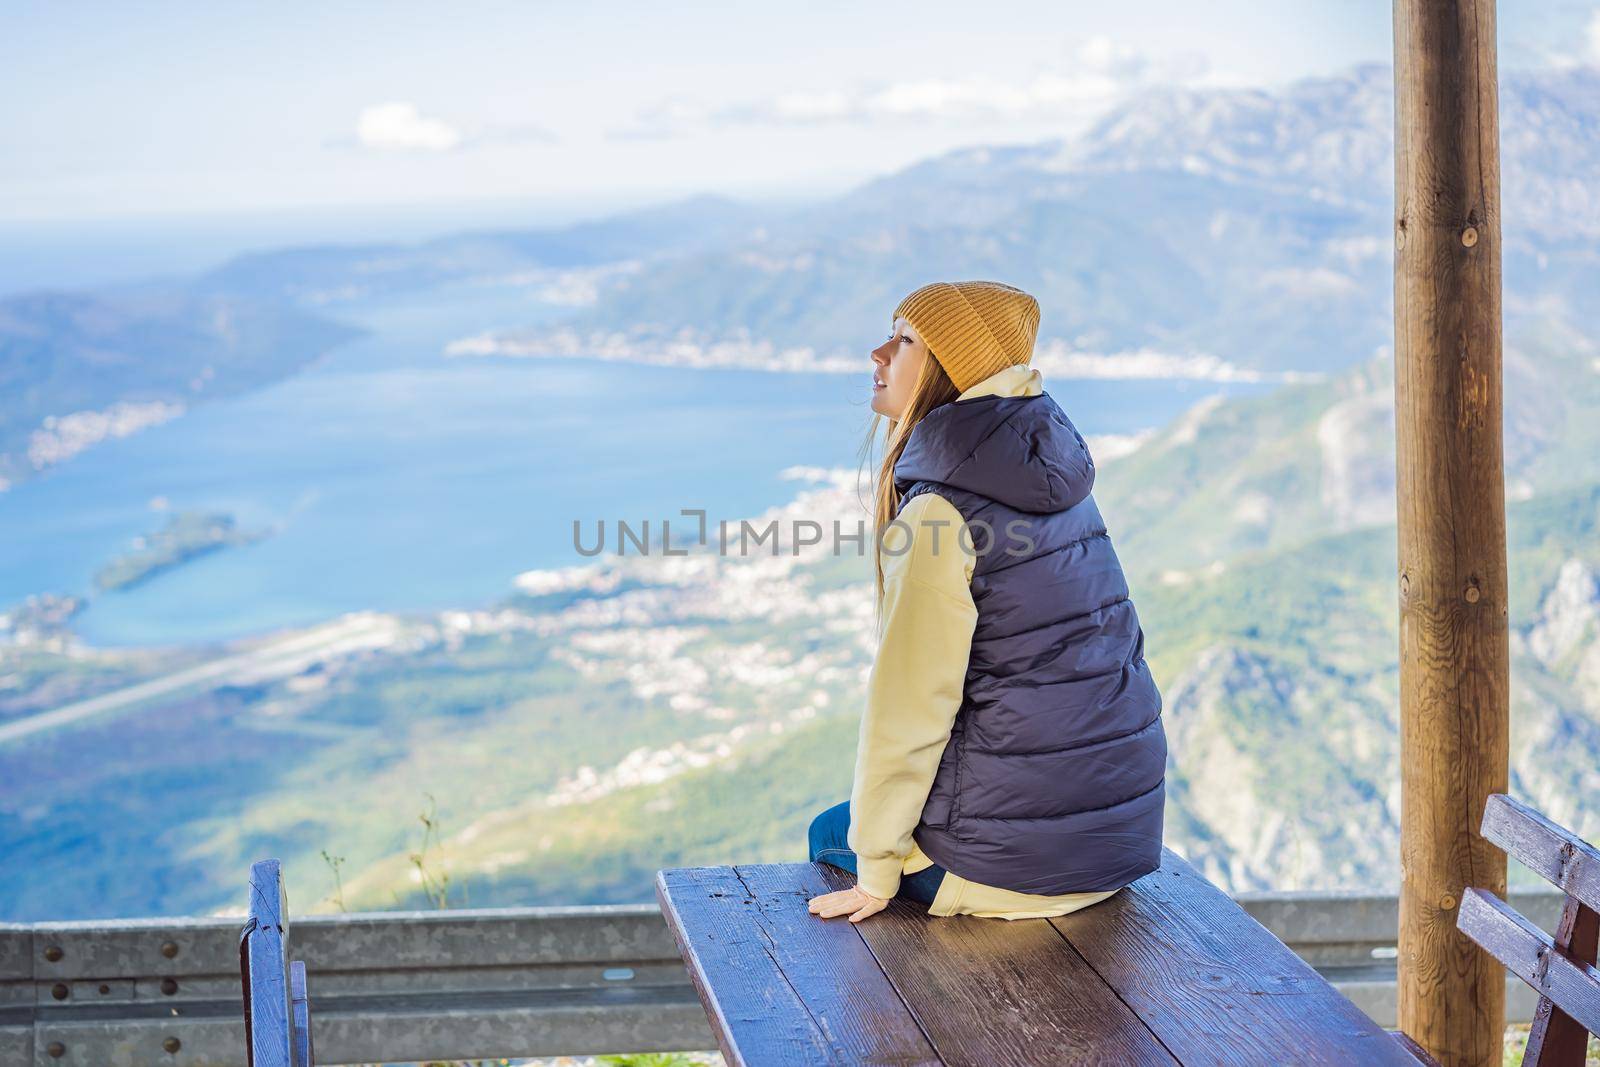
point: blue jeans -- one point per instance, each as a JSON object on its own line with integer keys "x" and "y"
{"x": 828, "y": 845}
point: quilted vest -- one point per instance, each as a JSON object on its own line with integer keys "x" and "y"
{"x": 1053, "y": 780}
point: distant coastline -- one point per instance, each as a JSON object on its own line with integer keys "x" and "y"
{"x": 1054, "y": 358}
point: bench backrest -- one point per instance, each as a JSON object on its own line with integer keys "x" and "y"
{"x": 277, "y": 1010}
{"x": 1560, "y": 968}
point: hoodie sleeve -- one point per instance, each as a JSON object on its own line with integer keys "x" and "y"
{"x": 915, "y": 686}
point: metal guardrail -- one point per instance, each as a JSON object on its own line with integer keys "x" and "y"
{"x": 1350, "y": 939}
{"x": 385, "y": 986}
{"x": 406, "y": 986}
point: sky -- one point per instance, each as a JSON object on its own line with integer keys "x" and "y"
{"x": 115, "y": 110}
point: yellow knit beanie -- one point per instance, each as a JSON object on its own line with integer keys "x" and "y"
{"x": 973, "y": 328}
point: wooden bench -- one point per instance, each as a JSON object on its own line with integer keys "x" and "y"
{"x": 277, "y": 1010}
{"x": 1170, "y": 970}
{"x": 1561, "y": 969}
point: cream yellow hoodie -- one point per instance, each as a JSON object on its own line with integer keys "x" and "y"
{"x": 914, "y": 692}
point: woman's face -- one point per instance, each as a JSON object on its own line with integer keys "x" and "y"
{"x": 896, "y": 365}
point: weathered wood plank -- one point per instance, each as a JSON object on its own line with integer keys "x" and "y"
{"x": 780, "y": 985}
{"x": 992, "y": 991}
{"x": 263, "y": 946}
{"x": 1415, "y": 1049}
{"x": 1556, "y": 1037}
{"x": 300, "y": 1015}
{"x": 1531, "y": 954}
{"x": 1547, "y": 848}
{"x": 1213, "y": 984}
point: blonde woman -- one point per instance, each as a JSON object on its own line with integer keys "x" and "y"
{"x": 1011, "y": 759}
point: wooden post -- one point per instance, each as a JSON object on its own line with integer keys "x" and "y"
{"x": 1454, "y": 654}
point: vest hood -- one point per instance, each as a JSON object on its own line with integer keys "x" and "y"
{"x": 1022, "y": 451}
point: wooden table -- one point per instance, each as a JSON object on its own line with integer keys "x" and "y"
{"x": 1170, "y": 970}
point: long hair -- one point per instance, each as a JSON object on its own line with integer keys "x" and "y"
{"x": 933, "y": 388}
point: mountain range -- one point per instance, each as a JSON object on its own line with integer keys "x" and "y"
{"x": 1257, "y": 530}
{"x": 1251, "y": 226}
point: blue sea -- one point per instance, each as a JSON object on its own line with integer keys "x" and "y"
{"x": 394, "y": 478}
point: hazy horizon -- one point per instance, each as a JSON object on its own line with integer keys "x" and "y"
{"x": 406, "y": 105}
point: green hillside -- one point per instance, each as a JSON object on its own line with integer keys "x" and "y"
{"x": 1272, "y": 470}
{"x": 1272, "y": 630}
{"x": 1280, "y": 689}
{"x": 645, "y": 711}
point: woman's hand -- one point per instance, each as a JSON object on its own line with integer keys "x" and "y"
{"x": 854, "y": 900}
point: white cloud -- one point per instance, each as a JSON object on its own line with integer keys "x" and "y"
{"x": 400, "y": 126}
{"x": 1592, "y": 37}
{"x": 1093, "y": 72}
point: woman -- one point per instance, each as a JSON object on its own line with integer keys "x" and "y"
{"x": 1011, "y": 759}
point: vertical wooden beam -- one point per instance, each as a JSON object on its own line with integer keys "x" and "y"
{"x": 1454, "y": 654}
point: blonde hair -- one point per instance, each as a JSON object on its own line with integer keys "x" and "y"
{"x": 933, "y": 389}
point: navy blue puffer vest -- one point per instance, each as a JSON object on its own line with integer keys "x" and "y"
{"x": 1053, "y": 780}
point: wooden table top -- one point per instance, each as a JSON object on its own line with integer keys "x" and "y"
{"x": 1170, "y": 970}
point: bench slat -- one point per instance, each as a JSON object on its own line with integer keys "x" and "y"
{"x": 1213, "y": 984}
{"x": 300, "y": 1014}
{"x": 991, "y": 991}
{"x": 1555, "y": 1037}
{"x": 780, "y": 985}
{"x": 1531, "y": 954}
{"x": 263, "y": 945}
{"x": 1545, "y": 847}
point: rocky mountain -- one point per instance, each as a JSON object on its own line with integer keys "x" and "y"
{"x": 1249, "y": 224}
{"x": 332, "y": 274}
{"x": 1189, "y": 221}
